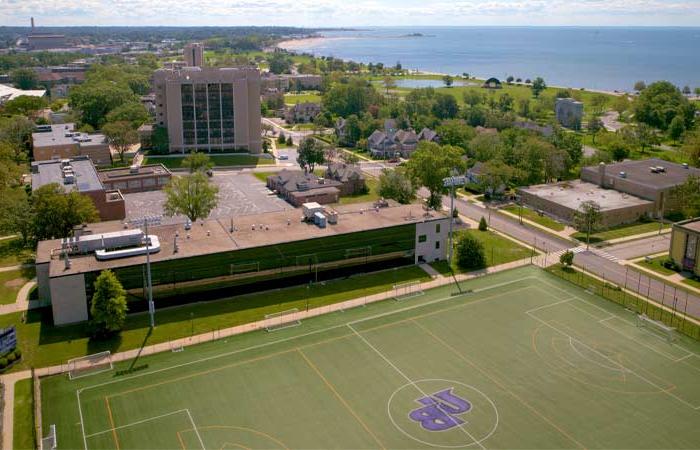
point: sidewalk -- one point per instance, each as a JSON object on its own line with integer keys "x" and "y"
{"x": 22, "y": 302}
{"x": 10, "y": 379}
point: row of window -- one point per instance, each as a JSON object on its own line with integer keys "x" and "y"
{"x": 207, "y": 113}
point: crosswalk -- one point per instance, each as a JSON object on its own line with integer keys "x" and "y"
{"x": 553, "y": 258}
{"x": 604, "y": 254}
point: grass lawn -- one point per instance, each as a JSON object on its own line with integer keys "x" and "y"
{"x": 656, "y": 265}
{"x": 371, "y": 195}
{"x": 13, "y": 252}
{"x": 304, "y": 97}
{"x": 43, "y": 344}
{"x": 691, "y": 282}
{"x": 218, "y": 160}
{"x": 535, "y": 217}
{"x": 23, "y": 423}
{"x": 497, "y": 249}
{"x": 515, "y": 361}
{"x": 11, "y": 282}
{"x": 620, "y": 231}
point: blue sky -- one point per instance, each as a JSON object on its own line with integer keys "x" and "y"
{"x": 332, "y": 13}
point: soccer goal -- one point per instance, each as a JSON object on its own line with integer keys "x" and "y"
{"x": 49, "y": 442}
{"x": 656, "y": 326}
{"x": 244, "y": 268}
{"x": 358, "y": 252}
{"x": 305, "y": 260}
{"x": 89, "y": 365}
{"x": 409, "y": 289}
{"x": 281, "y": 320}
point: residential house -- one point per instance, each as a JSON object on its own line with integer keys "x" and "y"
{"x": 302, "y": 112}
{"x": 298, "y": 187}
{"x": 391, "y": 142}
{"x": 349, "y": 175}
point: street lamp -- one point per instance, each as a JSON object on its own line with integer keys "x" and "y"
{"x": 145, "y": 221}
{"x": 452, "y": 182}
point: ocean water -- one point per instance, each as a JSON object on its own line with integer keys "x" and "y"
{"x": 607, "y": 58}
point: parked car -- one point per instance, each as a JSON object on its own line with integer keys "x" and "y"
{"x": 283, "y": 157}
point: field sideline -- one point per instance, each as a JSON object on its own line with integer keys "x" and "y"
{"x": 524, "y": 360}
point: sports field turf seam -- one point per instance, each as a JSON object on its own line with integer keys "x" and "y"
{"x": 463, "y": 357}
{"x": 413, "y": 383}
{"x": 341, "y": 398}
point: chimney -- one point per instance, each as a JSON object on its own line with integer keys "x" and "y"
{"x": 601, "y": 173}
{"x": 32, "y": 24}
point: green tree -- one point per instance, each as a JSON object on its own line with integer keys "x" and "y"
{"x": 121, "y": 136}
{"x": 133, "y": 112}
{"x": 430, "y": 164}
{"x": 108, "y": 306}
{"x": 676, "y": 128}
{"x": 445, "y": 106}
{"x": 282, "y": 139}
{"x": 455, "y": 132}
{"x": 483, "y": 226}
{"x": 95, "y": 100}
{"x": 18, "y": 215}
{"x": 691, "y": 148}
{"x": 687, "y": 197}
{"x": 472, "y": 97}
{"x": 639, "y": 86}
{"x": 588, "y": 218}
{"x": 389, "y": 83}
{"x": 567, "y": 258}
{"x": 56, "y": 212}
{"x": 538, "y": 86}
{"x": 353, "y": 97}
{"x": 190, "y": 195}
{"x": 197, "y": 162}
{"x": 469, "y": 252}
{"x": 279, "y": 63}
{"x": 310, "y": 153}
{"x": 25, "y": 105}
{"x": 448, "y": 80}
{"x": 594, "y": 126}
{"x": 621, "y": 104}
{"x": 24, "y": 78}
{"x": 659, "y": 103}
{"x": 394, "y": 184}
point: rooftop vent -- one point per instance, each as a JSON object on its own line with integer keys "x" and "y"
{"x": 134, "y": 169}
{"x": 623, "y": 174}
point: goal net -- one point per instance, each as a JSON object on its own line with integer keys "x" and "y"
{"x": 244, "y": 268}
{"x": 283, "y": 319}
{"x": 305, "y": 260}
{"x": 358, "y": 252}
{"x": 49, "y": 442}
{"x": 408, "y": 289}
{"x": 89, "y": 365}
{"x": 656, "y": 326}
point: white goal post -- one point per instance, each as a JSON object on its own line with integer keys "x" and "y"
{"x": 645, "y": 321}
{"x": 90, "y": 365}
{"x": 49, "y": 442}
{"x": 408, "y": 289}
{"x": 283, "y": 319}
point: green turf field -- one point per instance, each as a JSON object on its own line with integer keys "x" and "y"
{"x": 525, "y": 360}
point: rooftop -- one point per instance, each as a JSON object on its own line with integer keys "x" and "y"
{"x": 52, "y": 171}
{"x": 127, "y": 172}
{"x": 213, "y": 236}
{"x": 691, "y": 225}
{"x": 572, "y": 193}
{"x": 640, "y": 172}
{"x": 63, "y": 134}
{"x": 8, "y": 93}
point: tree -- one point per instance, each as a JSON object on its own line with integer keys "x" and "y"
{"x": 483, "y": 226}
{"x": 289, "y": 141}
{"x": 641, "y": 134}
{"x": 133, "y": 112}
{"x": 676, "y": 128}
{"x": 18, "y": 215}
{"x": 588, "y": 218}
{"x": 282, "y": 139}
{"x": 687, "y": 197}
{"x": 510, "y": 79}
{"x": 24, "y": 78}
{"x": 469, "y": 252}
{"x": 394, "y": 184}
{"x": 190, "y": 195}
{"x": 121, "y": 136}
{"x": 448, "y": 80}
{"x": 691, "y": 148}
{"x": 24, "y": 105}
{"x": 594, "y": 126}
{"x": 639, "y": 86}
{"x": 567, "y": 258}
{"x": 455, "y": 132}
{"x": 55, "y": 212}
{"x": 309, "y": 154}
{"x": 621, "y": 104}
{"x": 598, "y": 102}
{"x": 197, "y": 162}
{"x": 389, "y": 83}
{"x": 659, "y": 103}
{"x": 472, "y": 97}
{"x": 279, "y": 63}
{"x": 697, "y": 91}
{"x": 96, "y": 99}
{"x": 538, "y": 86}
{"x": 108, "y": 306}
{"x": 686, "y": 90}
{"x": 445, "y": 106}
{"x": 430, "y": 164}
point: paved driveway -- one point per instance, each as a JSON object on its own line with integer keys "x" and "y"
{"x": 239, "y": 194}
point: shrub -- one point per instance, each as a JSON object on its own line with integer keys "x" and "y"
{"x": 470, "y": 253}
{"x": 483, "y": 226}
{"x": 3, "y": 363}
{"x": 11, "y": 357}
{"x": 18, "y": 353}
{"x": 567, "y": 258}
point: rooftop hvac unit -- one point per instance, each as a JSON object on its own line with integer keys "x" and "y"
{"x": 65, "y": 162}
{"x": 69, "y": 178}
{"x": 685, "y": 165}
{"x": 117, "y": 239}
{"x": 661, "y": 168}
{"x": 623, "y": 174}
{"x": 134, "y": 169}
{"x": 320, "y": 220}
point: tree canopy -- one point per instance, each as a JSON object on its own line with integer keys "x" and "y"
{"x": 108, "y": 305}
{"x": 190, "y": 195}
{"x": 430, "y": 164}
{"x": 660, "y": 103}
{"x": 310, "y": 153}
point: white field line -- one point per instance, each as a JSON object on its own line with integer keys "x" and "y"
{"x": 690, "y": 405}
{"x": 413, "y": 383}
{"x": 196, "y": 431}
{"x": 566, "y": 300}
{"x": 82, "y": 427}
{"x": 631, "y": 322}
{"x": 610, "y": 316}
{"x": 138, "y": 422}
{"x": 619, "y": 367}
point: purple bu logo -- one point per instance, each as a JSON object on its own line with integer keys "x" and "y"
{"x": 439, "y": 411}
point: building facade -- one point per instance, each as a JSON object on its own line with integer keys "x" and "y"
{"x": 209, "y": 109}
{"x": 127, "y": 180}
{"x": 194, "y": 54}
{"x": 685, "y": 245}
{"x": 61, "y": 141}
{"x": 569, "y": 112}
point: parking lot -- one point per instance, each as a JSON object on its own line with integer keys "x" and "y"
{"x": 239, "y": 194}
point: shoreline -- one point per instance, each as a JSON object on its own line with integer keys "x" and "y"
{"x": 294, "y": 45}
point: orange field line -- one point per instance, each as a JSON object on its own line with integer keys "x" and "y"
{"x": 111, "y": 421}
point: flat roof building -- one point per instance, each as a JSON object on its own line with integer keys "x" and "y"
{"x": 80, "y": 175}
{"x": 8, "y": 93}
{"x": 249, "y": 251}
{"x": 562, "y": 200}
{"x": 194, "y": 54}
{"x": 61, "y": 141}
{"x": 209, "y": 109}
{"x": 132, "y": 179}
{"x": 685, "y": 245}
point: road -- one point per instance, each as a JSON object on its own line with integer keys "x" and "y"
{"x": 640, "y": 247}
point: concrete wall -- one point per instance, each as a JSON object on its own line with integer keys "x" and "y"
{"x": 42, "y": 280}
{"x": 679, "y": 239}
{"x": 99, "y": 154}
{"x": 68, "y": 299}
{"x": 435, "y": 232}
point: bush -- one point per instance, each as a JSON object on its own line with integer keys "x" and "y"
{"x": 670, "y": 264}
{"x": 11, "y": 357}
{"x": 3, "y": 363}
{"x": 18, "y": 353}
{"x": 483, "y": 226}
{"x": 567, "y": 258}
{"x": 470, "y": 253}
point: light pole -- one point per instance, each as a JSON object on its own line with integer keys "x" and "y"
{"x": 145, "y": 221}
{"x": 452, "y": 182}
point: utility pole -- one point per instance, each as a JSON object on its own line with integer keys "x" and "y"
{"x": 145, "y": 221}
{"x": 452, "y": 182}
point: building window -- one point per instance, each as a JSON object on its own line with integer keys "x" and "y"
{"x": 437, "y": 244}
{"x": 422, "y": 238}
{"x": 437, "y": 228}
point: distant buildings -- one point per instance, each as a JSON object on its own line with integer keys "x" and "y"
{"x": 391, "y": 142}
{"x": 569, "y": 112}
{"x": 194, "y": 55}
{"x": 299, "y": 187}
{"x": 79, "y": 175}
{"x": 302, "y": 112}
{"x": 289, "y": 82}
{"x": 209, "y": 109}
{"x": 61, "y": 141}
{"x": 685, "y": 245}
{"x": 128, "y": 180}
{"x": 8, "y": 93}
{"x": 44, "y": 41}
